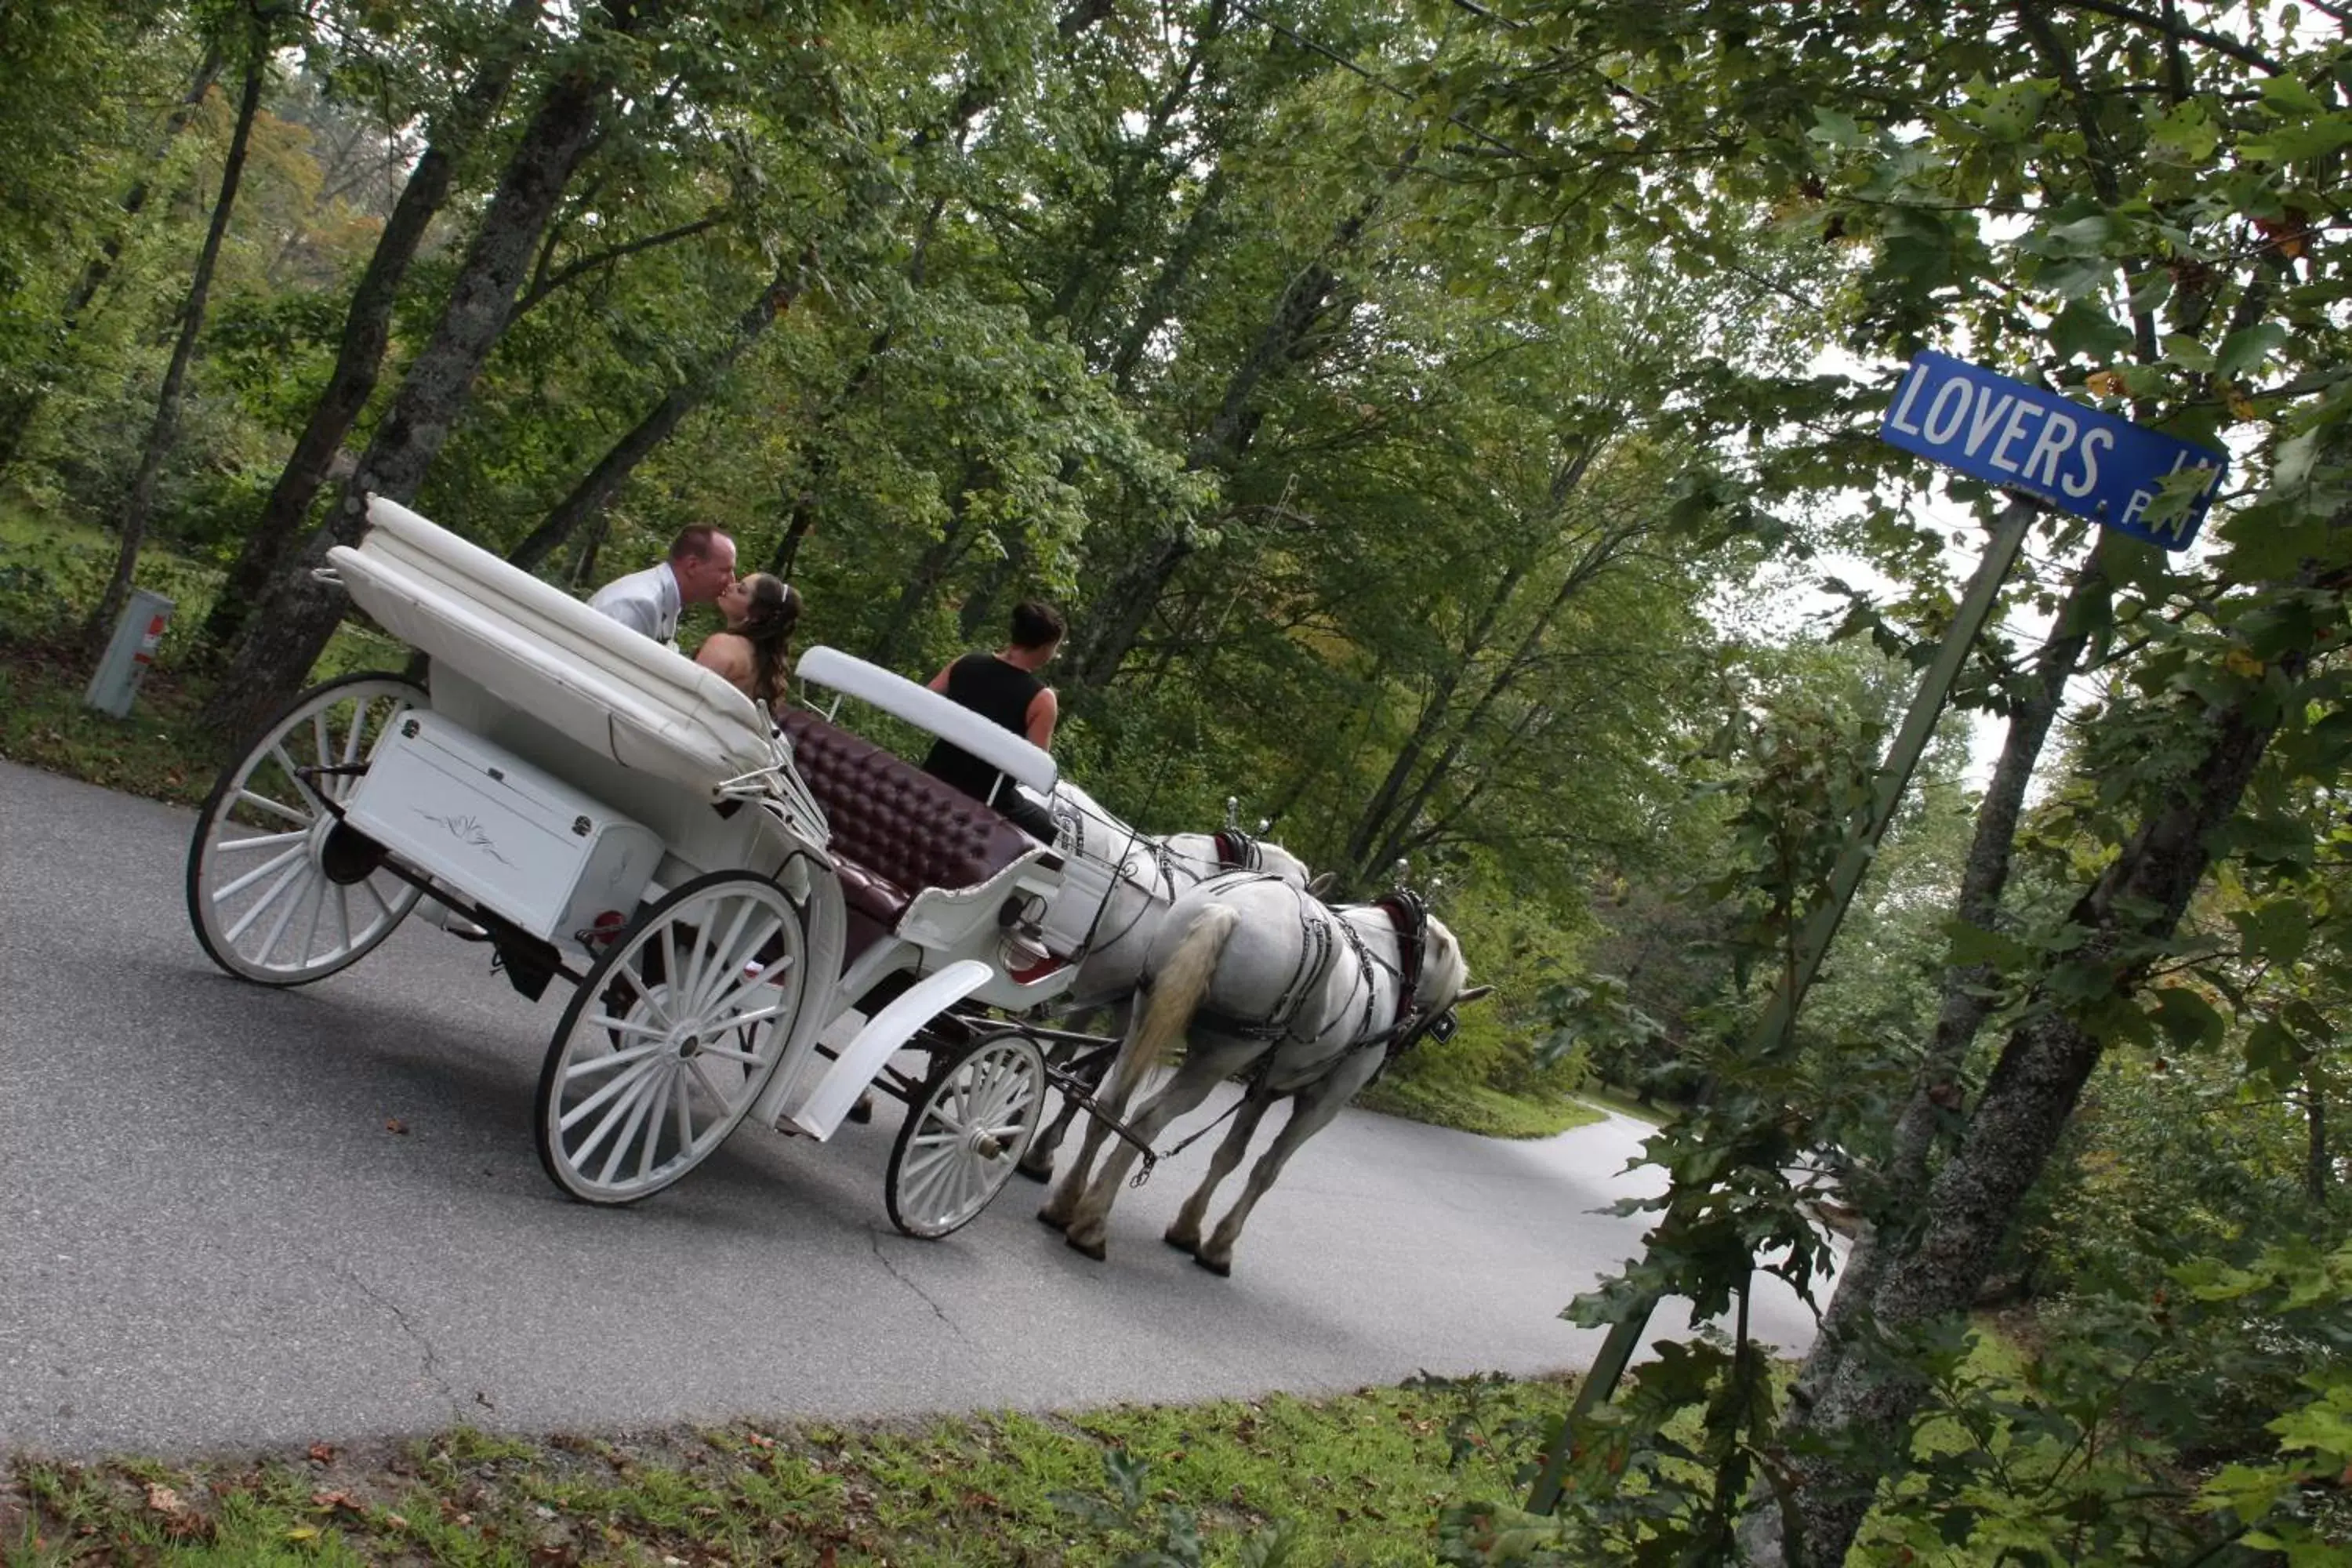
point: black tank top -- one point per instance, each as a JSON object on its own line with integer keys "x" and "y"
{"x": 996, "y": 691}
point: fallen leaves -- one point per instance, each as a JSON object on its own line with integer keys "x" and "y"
{"x": 394, "y": 1124}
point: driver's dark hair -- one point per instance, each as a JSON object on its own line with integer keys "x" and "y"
{"x": 1036, "y": 624}
{"x": 693, "y": 542}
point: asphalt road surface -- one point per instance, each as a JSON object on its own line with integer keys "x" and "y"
{"x": 212, "y": 1238}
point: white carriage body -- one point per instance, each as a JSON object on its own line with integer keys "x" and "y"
{"x": 510, "y": 836}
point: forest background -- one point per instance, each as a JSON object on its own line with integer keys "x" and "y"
{"x": 1413, "y": 407}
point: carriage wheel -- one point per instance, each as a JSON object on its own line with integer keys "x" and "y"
{"x": 964, "y": 1132}
{"x": 279, "y": 892}
{"x": 671, "y": 1037}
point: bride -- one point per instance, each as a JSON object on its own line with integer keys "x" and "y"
{"x": 754, "y": 653}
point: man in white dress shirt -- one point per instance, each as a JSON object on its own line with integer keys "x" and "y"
{"x": 701, "y": 565}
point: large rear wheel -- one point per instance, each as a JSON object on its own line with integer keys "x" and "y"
{"x": 671, "y": 1037}
{"x": 278, "y": 891}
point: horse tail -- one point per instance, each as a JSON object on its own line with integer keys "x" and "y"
{"x": 1176, "y": 995}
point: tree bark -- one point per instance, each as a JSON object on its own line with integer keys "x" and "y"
{"x": 1135, "y": 590}
{"x": 1838, "y": 1440}
{"x": 367, "y": 329}
{"x": 18, "y": 413}
{"x": 276, "y": 654}
{"x": 593, "y": 493}
{"x": 165, "y": 426}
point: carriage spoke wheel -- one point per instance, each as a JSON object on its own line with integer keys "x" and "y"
{"x": 671, "y": 1037}
{"x": 278, "y": 893}
{"x": 965, "y": 1131}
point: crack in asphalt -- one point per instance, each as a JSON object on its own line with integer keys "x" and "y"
{"x": 424, "y": 1346}
{"x": 873, "y": 1239}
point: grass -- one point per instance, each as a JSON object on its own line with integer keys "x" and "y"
{"x": 51, "y": 572}
{"x": 1475, "y": 1108}
{"x": 1357, "y": 1479}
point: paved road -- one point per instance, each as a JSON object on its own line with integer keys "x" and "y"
{"x": 209, "y": 1239}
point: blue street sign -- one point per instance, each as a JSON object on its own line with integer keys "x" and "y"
{"x": 2019, "y": 437}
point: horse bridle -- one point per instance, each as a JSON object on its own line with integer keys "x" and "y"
{"x": 1408, "y": 911}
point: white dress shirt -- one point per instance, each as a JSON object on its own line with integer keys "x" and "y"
{"x": 644, "y": 602}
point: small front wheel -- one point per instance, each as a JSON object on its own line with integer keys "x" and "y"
{"x": 271, "y": 894}
{"x": 671, "y": 1037}
{"x": 964, "y": 1132}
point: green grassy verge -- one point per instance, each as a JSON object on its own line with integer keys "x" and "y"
{"x": 1474, "y": 1108}
{"x": 1358, "y": 1479}
{"x": 51, "y": 572}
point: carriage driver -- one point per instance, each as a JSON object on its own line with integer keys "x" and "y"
{"x": 700, "y": 567}
{"x": 1003, "y": 687}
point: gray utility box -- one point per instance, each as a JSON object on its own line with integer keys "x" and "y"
{"x": 129, "y": 653}
{"x": 515, "y": 839}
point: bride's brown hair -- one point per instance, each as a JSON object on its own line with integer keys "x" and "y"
{"x": 771, "y": 609}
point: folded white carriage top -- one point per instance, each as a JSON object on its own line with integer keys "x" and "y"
{"x": 529, "y": 644}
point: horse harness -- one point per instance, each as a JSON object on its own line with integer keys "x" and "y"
{"x": 1238, "y": 851}
{"x": 1407, "y": 913}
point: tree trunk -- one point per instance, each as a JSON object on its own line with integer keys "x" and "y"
{"x": 367, "y": 329}
{"x": 931, "y": 569}
{"x": 17, "y": 412}
{"x": 2316, "y": 1163}
{"x": 594, "y": 493}
{"x": 166, "y": 424}
{"x": 1159, "y": 300}
{"x": 275, "y": 656}
{"x": 1841, "y": 1442}
{"x": 1933, "y": 1111}
{"x": 1135, "y": 589}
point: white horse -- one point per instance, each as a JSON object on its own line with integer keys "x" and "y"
{"x": 1153, "y": 874}
{"x": 1252, "y": 974}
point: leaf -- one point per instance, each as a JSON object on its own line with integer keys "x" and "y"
{"x": 2186, "y": 351}
{"x": 164, "y": 1500}
{"x": 394, "y": 1124}
{"x": 2244, "y": 350}
{"x": 304, "y": 1533}
{"x": 1973, "y": 944}
{"x": 2188, "y": 1018}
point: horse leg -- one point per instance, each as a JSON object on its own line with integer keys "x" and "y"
{"x": 1183, "y": 1232}
{"x": 1193, "y": 1083}
{"x": 1063, "y": 1200}
{"x": 1037, "y": 1164}
{"x": 1309, "y": 1114}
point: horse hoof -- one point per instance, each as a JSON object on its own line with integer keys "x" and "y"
{"x": 1190, "y": 1244}
{"x": 1093, "y": 1249}
{"x": 1222, "y": 1267}
{"x": 1045, "y": 1175}
{"x": 1051, "y": 1220}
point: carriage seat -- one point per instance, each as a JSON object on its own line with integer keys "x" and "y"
{"x": 896, "y": 829}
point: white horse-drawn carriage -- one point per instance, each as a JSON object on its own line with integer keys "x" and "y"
{"x": 754, "y": 924}
{"x": 757, "y": 923}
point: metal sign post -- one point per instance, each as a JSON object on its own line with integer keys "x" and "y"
{"x": 2043, "y": 448}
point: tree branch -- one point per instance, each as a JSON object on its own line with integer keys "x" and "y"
{"x": 549, "y": 282}
{"x": 2217, "y": 42}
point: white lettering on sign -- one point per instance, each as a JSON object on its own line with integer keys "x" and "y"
{"x": 2057, "y": 435}
{"x": 1987, "y": 415}
{"x": 2026, "y": 409}
{"x": 2095, "y": 443}
{"x": 1900, "y": 418}
{"x": 1938, "y": 428}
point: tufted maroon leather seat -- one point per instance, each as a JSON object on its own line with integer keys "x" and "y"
{"x": 896, "y": 829}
